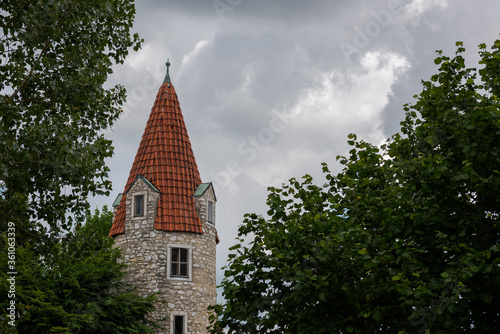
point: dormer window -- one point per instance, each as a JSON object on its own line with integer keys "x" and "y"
{"x": 138, "y": 205}
{"x": 142, "y": 198}
{"x": 210, "y": 212}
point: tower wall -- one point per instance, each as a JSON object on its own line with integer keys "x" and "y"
{"x": 147, "y": 253}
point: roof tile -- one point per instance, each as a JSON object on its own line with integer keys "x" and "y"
{"x": 165, "y": 158}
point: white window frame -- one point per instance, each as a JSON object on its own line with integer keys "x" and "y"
{"x": 145, "y": 204}
{"x": 211, "y": 215}
{"x": 189, "y": 277}
{"x": 172, "y": 321}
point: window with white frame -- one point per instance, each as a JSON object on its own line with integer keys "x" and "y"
{"x": 179, "y": 266}
{"x": 139, "y": 205}
{"x": 178, "y": 323}
{"x": 210, "y": 212}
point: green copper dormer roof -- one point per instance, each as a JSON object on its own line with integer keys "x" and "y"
{"x": 202, "y": 188}
{"x": 167, "y": 76}
{"x": 117, "y": 200}
{"x": 146, "y": 181}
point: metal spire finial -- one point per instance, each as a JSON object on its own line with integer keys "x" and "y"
{"x": 167, "y": 76}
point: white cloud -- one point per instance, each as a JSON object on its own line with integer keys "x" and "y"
{"x": 318, "y": 123}
{"x": 146, "y": 58}
{"x": 248, "y": 77}
{"x": 188, "y": 58}
{"x": 416, "y": 8}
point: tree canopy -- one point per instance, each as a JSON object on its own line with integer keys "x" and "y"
{"x": 405, "y": 239}
{"x": 55, "y": 57}
{"x": 78, "y": 288}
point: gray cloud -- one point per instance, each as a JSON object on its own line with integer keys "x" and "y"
{"x": 238, "y": 72}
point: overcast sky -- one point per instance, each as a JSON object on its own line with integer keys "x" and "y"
{"x": 271, "y": 89}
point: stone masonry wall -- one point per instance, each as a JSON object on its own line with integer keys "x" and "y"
{"x": 145, "y": 250}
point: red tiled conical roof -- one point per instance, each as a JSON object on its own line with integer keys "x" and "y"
{"x": 166, "y": 159}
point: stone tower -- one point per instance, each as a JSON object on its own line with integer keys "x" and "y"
{"x": 165, "y": 220}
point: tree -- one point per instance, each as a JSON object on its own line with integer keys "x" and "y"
{"x": 404, "y": 240}
{"x": 55, "y": 57}
{"x": 78, "y": 289}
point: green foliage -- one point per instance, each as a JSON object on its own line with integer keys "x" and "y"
{"x": 404, "y": 240}
{"x": 78, "y": 288}
{"x": 55, "y": 57}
